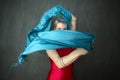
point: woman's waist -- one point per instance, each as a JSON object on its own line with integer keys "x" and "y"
{"x": 66, "y": 69}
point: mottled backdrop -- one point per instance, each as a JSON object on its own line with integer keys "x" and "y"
{"x": 99, "y": 17}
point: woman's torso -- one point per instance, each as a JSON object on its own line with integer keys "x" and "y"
{"x": 65, "y": 73}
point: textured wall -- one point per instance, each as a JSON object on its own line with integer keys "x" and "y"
{"x": 100, "y": 17}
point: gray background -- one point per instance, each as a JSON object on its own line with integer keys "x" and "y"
{"x": 99, "y": 17}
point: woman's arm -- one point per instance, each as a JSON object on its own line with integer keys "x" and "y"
{"x": 64, "y": 61}
{"x": 73, "y": 22}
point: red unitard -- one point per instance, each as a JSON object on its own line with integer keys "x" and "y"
{"x": 65, "y": 73}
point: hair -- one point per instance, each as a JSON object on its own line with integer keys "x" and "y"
{"x": 57, "y": 19}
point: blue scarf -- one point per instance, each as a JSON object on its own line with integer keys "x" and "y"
{"x": 41, "y": 38}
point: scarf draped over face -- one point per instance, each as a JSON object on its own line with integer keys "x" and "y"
{"x": 41, "y": 38}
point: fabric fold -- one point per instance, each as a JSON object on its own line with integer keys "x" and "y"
{"x": 41, "y": 38}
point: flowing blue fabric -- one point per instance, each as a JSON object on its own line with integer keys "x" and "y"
{"x": 41, "y": 38}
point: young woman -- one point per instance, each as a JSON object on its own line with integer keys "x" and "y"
{"x": 62, "y": 59}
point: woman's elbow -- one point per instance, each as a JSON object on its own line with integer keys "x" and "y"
{"x": 83, "y": 51}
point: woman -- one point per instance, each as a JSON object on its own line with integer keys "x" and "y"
{"x": 61, "y": 50}
{"x": 61, "y": 59}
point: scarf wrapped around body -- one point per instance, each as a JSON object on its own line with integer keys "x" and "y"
{"x": 41, "y": 38}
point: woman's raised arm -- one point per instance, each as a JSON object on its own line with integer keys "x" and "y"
{"x": 73, "y": 22}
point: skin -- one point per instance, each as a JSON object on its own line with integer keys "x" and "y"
{"x": 73, "y": 56}
{"x": 61, "y": 26}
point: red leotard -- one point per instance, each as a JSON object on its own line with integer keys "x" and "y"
{"x": 65, "y": 73}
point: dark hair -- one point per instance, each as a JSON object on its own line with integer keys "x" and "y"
{"x": 55, "y": 20}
